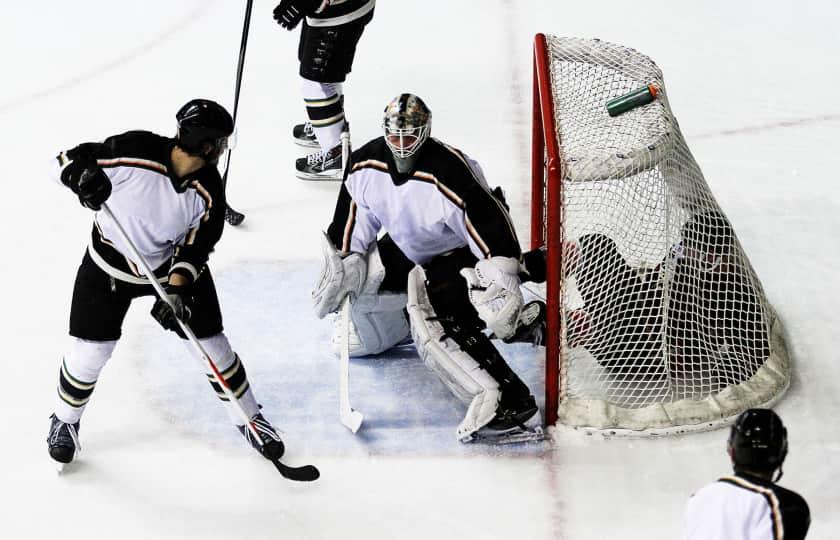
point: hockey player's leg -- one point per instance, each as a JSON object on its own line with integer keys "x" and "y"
{"x": 500, "y": 406}
{"x": 76, "y": 381}
{"x": 377, "y": 317}
{"x": 233, "y": 371}
{"x": 97, "y": 311}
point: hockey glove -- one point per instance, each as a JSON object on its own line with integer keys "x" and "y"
{"x": 289, "y": 13}
{"x": 94, "y": 187}
{"x": 340, "y": 276}
{"x": 165, "y": 314}
{"x": 493, "y": 289}
{"x": 85, "y": 178}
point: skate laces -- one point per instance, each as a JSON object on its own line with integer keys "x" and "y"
{"x": 323, "y": 158}
{"x": 57, "y": 437}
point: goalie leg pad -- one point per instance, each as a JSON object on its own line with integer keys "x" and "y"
{"x": 377, "y": 320}
{"x": 461, "y": 373}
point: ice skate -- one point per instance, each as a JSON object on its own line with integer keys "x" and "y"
{"x": 323, "y": 165}
{"x": 521, "y": 423}
{"x": 304, "y": 135}
{"x": 63, "y": 441}
{"x": 272, "y": 447}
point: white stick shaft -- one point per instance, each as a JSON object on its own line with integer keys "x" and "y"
{"x": 147, "y": 270}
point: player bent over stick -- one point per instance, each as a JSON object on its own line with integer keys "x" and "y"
{"x": 169, "y": 195}
{"x": 450, "y": 254}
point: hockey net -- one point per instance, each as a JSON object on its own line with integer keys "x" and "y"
{"x": 657, "y": 323}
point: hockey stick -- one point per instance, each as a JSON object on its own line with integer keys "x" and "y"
{"x": 307, "y": 473}
{"x": 350, "y": 418}
{"x": 232, "y": 216}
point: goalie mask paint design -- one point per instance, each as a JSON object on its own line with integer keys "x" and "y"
{"x": 407, "y": 123}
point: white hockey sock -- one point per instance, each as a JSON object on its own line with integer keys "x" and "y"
{"x": 80, "y": 370}
{"x": 325, "y": 109}
{"x": 233, "y": 372}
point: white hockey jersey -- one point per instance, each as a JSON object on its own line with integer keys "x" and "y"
{"x": 744, "y": 507}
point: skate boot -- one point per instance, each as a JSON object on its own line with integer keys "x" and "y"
{"x": 513, "y": 423}
{"x": 530, "y": 326}
{"x": 272, "y": 447}
{"x": 323, "y": 165}
{"x": 63, "y": 440}
{"x": 304, "y": 135}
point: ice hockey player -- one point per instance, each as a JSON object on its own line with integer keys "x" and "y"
{"x": 331, "y": 30}
{"x": 750, "y": 505}
{"x": 167, "y": 193}
{"x": 450, "y": 251}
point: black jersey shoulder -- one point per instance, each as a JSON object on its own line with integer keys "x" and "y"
{"x": 140, "y": 145}
{"x": 796, "y": 516}
{"x": 447, "y": 164}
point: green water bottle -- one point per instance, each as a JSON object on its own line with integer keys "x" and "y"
{"x": 636, "y": 98}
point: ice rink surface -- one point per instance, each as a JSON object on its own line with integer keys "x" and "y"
{"x": 754, "y": 87}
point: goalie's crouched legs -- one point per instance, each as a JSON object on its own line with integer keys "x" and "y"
{"x": 448, "y": 335}
{"x": 378, "y": 320}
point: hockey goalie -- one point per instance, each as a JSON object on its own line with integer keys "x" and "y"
{"x": 425, "y": 249}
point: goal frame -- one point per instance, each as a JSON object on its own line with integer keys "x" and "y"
{"x": 547, "y": 218}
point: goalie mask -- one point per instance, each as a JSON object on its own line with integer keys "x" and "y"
{"x": 407, "y": 123}
{"x": 758, "y": 441}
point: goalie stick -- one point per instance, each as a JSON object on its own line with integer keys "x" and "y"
{"x": 306, "y": 473}
{"x": 349, "y": 417}
{"x": 232, "y": 216}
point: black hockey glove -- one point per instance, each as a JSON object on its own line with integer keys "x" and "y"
{"x": 182, "y": 301}
{"x": 94, "y": 187}
{"x": 85, "y": 177}
{"x": 289, "y": 13}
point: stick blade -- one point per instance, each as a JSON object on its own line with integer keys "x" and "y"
{"x": 352, "y": 419}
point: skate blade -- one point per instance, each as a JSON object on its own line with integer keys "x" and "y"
{"x": 531, "y": 435}
{"x": 306, "y": 144}
{"x": 321, "y": 177}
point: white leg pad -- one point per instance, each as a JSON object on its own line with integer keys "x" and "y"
{"x": 221, "y": 353}
{"x": 328, "y": 136}
{"x": 82, "y": 365}
{"x": 377, "y": 322}
{"x": 459, "y": 371}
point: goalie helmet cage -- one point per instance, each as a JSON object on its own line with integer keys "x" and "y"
{"x": 657, "y": 323}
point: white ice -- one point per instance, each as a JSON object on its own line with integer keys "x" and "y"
{"x": 754, "y": 85}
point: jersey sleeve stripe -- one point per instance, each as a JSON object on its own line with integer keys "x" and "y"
{"x": 348, "y": 228}
{"x": 133, "y": 162}
{"x": 769, "y": 495}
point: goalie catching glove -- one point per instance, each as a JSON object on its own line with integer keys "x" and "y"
{"x": 493, "y": 288}
{"x": 339, "y": 277}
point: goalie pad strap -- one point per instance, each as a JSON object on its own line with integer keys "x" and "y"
{"x": 461, "y": 373}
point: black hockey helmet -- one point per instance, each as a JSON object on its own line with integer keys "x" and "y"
{"x": 758, "y": 441}
{"x": 200, "y": 122}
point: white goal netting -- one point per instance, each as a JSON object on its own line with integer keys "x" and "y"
{"x": 667, "y": 328}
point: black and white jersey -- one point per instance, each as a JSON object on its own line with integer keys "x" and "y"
{"x": 164, "y": 225}
{"x": 744, "y": 507}
{"x": 445, "y": 204}
{"x": 337, "y": 12}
